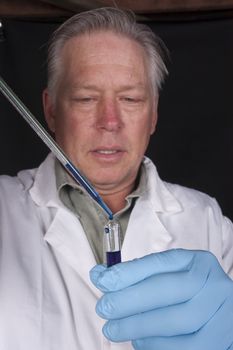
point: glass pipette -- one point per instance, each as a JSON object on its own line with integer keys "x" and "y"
{"x": 111, "y": 229}
{"x": 52, "y": 145}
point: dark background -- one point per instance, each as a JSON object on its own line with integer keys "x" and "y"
{"x": 193, "y": 143}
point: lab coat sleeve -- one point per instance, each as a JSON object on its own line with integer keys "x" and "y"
{"x": 221, "y": 224}
{"x": 227, "y": 228}
{"x": 207, "y": 227}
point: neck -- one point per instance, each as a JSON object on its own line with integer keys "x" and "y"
{"x": 116, "y": 200}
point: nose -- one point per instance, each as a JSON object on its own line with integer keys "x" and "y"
{"x": 109, "y": 116}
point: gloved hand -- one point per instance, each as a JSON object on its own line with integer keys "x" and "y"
{"x": 174, "y": 300}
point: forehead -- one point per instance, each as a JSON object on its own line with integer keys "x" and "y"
{"x": 103, "y": 48}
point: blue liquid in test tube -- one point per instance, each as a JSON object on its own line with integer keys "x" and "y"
{"x": 112, "y": 243}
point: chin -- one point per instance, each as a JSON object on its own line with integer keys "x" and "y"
{"x": 104, "y": 183}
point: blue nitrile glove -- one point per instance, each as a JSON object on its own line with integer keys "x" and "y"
{"x": 174, "y": 300}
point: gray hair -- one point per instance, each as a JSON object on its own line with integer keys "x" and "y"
{"x": 119, "y": 22}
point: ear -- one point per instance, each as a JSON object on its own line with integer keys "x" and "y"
{"x": 154, "y": 117}
{"x": 49, "y": 110}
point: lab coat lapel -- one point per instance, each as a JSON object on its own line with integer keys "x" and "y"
{"x": 64, "y": 231}
{"x": 146, "y": 232}
{"x": 66, "y": 235}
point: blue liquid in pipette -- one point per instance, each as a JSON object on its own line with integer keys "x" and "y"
{"x": 53, "y": 146}
{"x": 88, "y": 187}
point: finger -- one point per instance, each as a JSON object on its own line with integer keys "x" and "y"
{"x": 128, "y": 273}
{"x": 166, "y": 322}
{"x": 96, "y": 272}
{"x": 166, "y": 343}
{"x": 177, "y": 343}
{"x": 183, "y": 318}
{"x": 215, "y": 335}
{"x": 155, "y": 292}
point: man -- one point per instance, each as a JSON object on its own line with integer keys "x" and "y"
{"x": 105, "y": 72}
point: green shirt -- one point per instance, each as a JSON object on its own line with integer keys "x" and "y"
{"x": 91, "y": 216}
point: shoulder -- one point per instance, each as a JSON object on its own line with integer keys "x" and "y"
{"x": 190, "y": 196}
{"x": 14, "y": 191}
{"x": 19, "y": 183}
{"x": 26, "y": 179}
{"x": 10, "y": 185}
{"x": 184, "y": 197}
{"x": 199, "y": 208}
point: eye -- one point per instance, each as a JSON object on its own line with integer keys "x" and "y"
{"x": 131, "y": 99}
{"x": 84, "y": 99}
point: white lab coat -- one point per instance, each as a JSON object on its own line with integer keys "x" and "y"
{"x": 47, "y": 301}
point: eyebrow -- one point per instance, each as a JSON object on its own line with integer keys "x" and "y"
{"x": 132, "y": 87}
{"x": 95, "y": 87}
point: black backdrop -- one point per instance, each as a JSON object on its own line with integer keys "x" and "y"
{"x": 193, "y": 143}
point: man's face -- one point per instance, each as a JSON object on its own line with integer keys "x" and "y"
{"x": 103, "y": 113}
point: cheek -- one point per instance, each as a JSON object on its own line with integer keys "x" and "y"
{"x": 65, "y": 120}
{"x": 65, "y": 129}
{"x": 140, "y": 136}
{"x": 75, "y": 135}
{"x": 71, "y": 117}
{"x": 146, "y": 126}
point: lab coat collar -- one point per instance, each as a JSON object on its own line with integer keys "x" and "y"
{"x": 44, "y": 191}
{"x": 158, "y": 194}
{"x": 147, "y": 231}
{"x": 64, "y": 233}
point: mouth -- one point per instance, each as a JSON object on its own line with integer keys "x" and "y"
{"x": 104, "y": 151}
{"x": 113, "y": 154}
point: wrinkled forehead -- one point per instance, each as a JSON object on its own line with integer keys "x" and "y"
{"x": 104, "y": 48}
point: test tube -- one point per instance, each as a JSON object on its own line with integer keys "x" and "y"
{"x": 112, "y": 243}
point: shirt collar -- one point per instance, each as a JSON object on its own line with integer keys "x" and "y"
{"x": 44, "y": 190}
{"x": 63, "y": 179}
